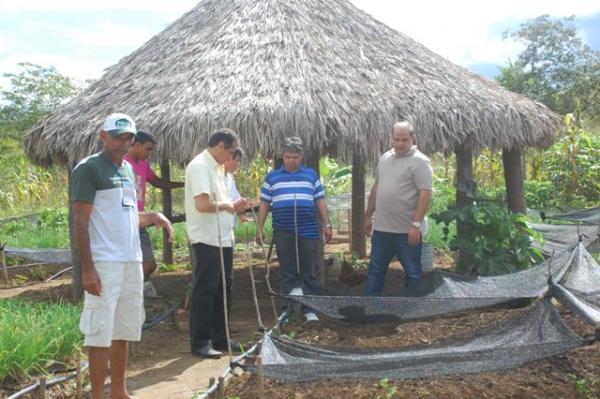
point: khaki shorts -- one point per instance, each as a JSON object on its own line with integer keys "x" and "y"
{"x": 118, "y": 313}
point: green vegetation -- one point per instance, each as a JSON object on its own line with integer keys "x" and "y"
{"x": 389, "y": 389}
{"x": 34, "y": 336}
{"x": 50, "y": 231}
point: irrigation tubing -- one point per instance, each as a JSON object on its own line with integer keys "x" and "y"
{"x": 228, "y": 371}
{"x": 50, "y": 383}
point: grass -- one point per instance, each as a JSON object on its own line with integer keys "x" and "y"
{"x": 34, "y": 336}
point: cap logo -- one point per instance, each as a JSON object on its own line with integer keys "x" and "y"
{"x": 122, "y": 123}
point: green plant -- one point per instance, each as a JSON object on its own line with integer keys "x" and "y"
{"x": 584, "y": 386}
{"x": 336, "y": 179}
{"x": 33, "y": 336}
{"x": 389, "y": 388}
{"x": 493, "y": 240}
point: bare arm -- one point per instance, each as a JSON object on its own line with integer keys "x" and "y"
{"x": 368, "y": 221}
{"x": 81, "y": 220}
{"x": 205, "y": 204}
{"x": 414, "y": 234}
{"x": 321, "y": 205}
{"x": 165, "y": 184}
{"x": 156, "y": 219}
{"x": 263, "y": 209}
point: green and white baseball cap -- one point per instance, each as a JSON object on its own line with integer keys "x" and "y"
{"x": 117, "y": 124}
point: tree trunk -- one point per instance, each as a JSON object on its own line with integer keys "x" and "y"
{"x": 167, "y": 206}
{"x": 358, "y": 243}
{"x": 76, "y": 262}
{"x": 514, "y": 179}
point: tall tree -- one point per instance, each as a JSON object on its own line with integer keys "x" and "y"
{"x": 34, "y": 91}
{"x": 556, "y": 67}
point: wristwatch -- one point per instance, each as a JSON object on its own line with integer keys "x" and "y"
{"x": 328, "y": 226}
{"x": 416, "y": 224}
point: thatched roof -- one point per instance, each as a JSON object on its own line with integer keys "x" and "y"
{"x": 320, "y": 69}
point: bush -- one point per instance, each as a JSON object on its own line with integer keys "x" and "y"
{"x": 495, "y": 241}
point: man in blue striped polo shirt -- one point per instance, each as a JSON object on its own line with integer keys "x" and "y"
{"x": 296, "y": 195}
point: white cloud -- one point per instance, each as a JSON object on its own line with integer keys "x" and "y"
{"x": 461, "y": 30}
{"x": 169, "y": 9}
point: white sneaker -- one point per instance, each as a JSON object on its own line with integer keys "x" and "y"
{"x": 311, "y": 316}
{"x": 297, "y": 291}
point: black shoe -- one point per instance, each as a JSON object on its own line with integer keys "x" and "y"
{"x": 208, "y": 352}
{"x": 222, "y": 346}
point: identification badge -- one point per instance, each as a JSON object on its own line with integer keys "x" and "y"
{"x": 128, "y": 195}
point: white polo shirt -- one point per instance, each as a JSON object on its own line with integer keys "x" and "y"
{"x": 205, "y": 176}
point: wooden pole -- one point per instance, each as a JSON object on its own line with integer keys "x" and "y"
{"x": 3, "y": 262}
{"x": 464, "y": 176}
{"x": 260, "y": 376}
{"x": 77, "y": 276}
{"x": 42, "y": 388}
{"x": 78, "y": 377}
{"x": 221, "y": 388}
{"x": 358, "y": 245}
{"x": 211, "y": 382}
{"x": 167, "y": 206}
{"x": 311, "y": 159}
{"x": 514, "y": 179}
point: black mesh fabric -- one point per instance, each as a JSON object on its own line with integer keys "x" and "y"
{"x": 47, "y": 255}
{"x": 535, "y": 333}
{"x": 559, "y": 237}
{"x": 444, "y": 293}
{"x": 588, "y": 216}
{"x": 579, "y": 288}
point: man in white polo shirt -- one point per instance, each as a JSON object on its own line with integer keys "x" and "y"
{"x": 206, "y": 201}
{"x": 399, "y": 198}
{"x": 106, "y": 227}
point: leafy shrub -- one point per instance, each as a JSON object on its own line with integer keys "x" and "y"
{"x": 494, "y": 241}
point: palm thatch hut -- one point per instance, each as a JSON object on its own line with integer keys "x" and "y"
{"x": 319, "y": 69}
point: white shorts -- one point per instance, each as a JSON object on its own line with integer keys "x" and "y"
{"x": 118, "y": 313}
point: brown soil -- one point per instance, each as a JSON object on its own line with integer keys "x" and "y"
{"x": 161, "y": 367}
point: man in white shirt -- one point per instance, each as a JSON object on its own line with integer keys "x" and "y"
{"x": 209, "y": 213}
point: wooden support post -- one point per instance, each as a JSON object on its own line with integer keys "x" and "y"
{"x": 221, "y": 388}
{"x": 3, "y": 263}
{"x": 77, "y": 277}
{"x": 260, "y": 376}
{"x": 78, "y": 377}
{"x": 514, "y": 179}
{"x": 167, "y": 206}
{"x": 358, "y": 245}
{"x": 464, "y": 175}
{"x": 211, "y": 382}
{"x": 42, "y": 388}
{"x": 311, "y": 159}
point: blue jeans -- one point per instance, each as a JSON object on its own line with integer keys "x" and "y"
{"x": 383, "y": 248}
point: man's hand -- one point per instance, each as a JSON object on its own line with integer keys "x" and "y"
{"x": 368, "y": 226}
{"x": 414, "y": 236}
{"x": 240, "y": 205}
{"x": 91, "y": 281}
{"x": 328, "y": 231}
{"x": 260, "y": 236}
{"x": 159, "y": 220}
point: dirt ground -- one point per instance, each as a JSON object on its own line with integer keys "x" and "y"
{"x": 161, "y": 367}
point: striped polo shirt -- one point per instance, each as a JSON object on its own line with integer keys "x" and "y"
{"x": 288, "y": 190}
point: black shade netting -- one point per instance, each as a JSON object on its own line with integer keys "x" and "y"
{"x": 579, "y": 288}
{"x": 559, "y": 237}
{"x": 588, "y": 216}
{"x": 443, "y": 293}
{"x": 46, "y": 255}
{"x": 536, "y": 333}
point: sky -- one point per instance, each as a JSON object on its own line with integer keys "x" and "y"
{"x": 81, "y": 38}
